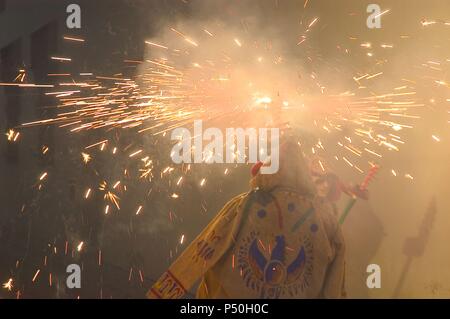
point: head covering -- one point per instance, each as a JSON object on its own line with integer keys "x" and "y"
{"x": 293, "y": 173}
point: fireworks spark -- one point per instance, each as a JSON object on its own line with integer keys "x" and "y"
{"x": 208, "y": 73}
{"x": 9, "y": 284}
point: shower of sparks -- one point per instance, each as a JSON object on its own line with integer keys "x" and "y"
{"x": 436, "y": 138}
{"x": 222, "y": 78}
{"x": 86, "y": 157}
{"x": 74, "y": 39}
{"x": 12, "y": 135}
{"x": 36, "y": 275}
{"x": 382, "y": 13}
{"x": 9, "y": 284}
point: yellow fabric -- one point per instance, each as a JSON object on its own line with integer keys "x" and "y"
{"x": 276, "y": 241}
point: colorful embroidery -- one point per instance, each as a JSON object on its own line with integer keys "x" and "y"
{"x": 168, "y": 287}
{"x": 272, "y": 274}
{"x": 205, "y": 247}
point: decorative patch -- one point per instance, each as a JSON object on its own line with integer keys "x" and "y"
{"x": 261, "y": 213}
{"x": 314, "y": 228}
{"x": 273, "y": 274}
{"x": 262, "y": 198}
{"x": 291, "y": 207}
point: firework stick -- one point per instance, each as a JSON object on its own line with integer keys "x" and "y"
{"x": 363, "y": 187}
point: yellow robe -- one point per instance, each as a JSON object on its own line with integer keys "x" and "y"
{"x": 277, "y": 241}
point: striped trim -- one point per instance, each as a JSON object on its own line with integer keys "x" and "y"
{"x": 176, "y": 280}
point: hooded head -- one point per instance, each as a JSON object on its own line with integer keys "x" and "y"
{"x": 293, "y": 171}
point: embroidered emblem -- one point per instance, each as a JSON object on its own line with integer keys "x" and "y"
{"x": 276, "y": 271}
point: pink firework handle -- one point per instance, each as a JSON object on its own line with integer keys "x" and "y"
{"x": 370, "y": 175}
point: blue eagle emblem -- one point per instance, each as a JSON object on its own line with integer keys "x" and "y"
{"x": 274, "y": 270}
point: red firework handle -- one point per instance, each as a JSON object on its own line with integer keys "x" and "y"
{"x": 370, "y": 175}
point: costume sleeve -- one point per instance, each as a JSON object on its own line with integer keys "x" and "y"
{"x": 334, "y": 280}
{"x": 201, "y": 254}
